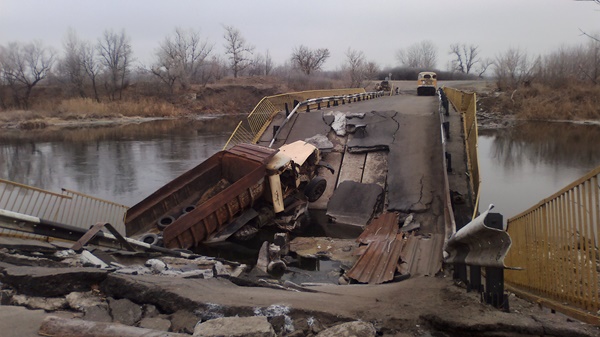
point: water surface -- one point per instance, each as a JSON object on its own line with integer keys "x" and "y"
{"x": 524, "y": 164}
{"x": 123, "y": 164}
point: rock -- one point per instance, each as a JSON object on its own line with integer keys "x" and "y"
{"x": 350, "y": 329}
{"x": 6, "y": 296}
{"x": 97, "y": 313}
{"x": 150, "y": 311}
{"x": 55, "y": 326}
{"x": 51, "y": 282}
{"x": 124, "y": 311}
{"x": 315, "y": 325}
{"x": 183, "y": 321}
{"x": 48, "y": 304}
{"x": 155, "y": 323}
{"x": 156, "y": 266}
{"x": 255, "y": 326}
{"x": 80, "y": 300}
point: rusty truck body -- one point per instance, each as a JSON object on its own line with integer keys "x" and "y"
{"x": 213, "y": 195}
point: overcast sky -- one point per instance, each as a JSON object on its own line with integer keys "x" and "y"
{"x": 376, "y": 27}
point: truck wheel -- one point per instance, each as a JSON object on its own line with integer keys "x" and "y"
{"x": 165, "y": 221}
{"x": 315, "y": 188}
{"x": 150, "y": 238}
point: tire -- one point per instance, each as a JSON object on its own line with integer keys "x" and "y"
{"x": 151, "y": 239}
{"x": 165, "y": 221}
{"x": 315, "y": 188}
{"x": 188, "y": 209}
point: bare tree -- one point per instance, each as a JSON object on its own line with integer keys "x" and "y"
{"x": 514, "y": 68}
{"x": 238, "y": 49}
{"x": 422, "y": 55}
{"x": 71, "y": 65}
{"x": 180, "y": 57}
{"x": 483, "y": 66}
{"x": 116, "y": 57}
{"x": 91, "y": 66}
{"x": 308, "y": 60}
{"x": 356, "y": 67}
{"x": 257, "y": 65}
{"x": 23, "y": 67}
{"x": 268, "y": 63}
{"x": 465, "y": 57}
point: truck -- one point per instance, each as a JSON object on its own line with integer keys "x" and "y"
{"x": 221, "y": 195}
{"x": 427, "y": 83}
{"x": 384, "y": 85}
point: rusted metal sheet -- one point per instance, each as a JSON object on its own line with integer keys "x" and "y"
{"x": 220, "y": 187}
{"x": 422, "y": 255}
{"x": 378, "y": 263}
{"x": 383, "y": 227}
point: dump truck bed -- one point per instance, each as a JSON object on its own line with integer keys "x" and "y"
{"x": 219, "y": 188}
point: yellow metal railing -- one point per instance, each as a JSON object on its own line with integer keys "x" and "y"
{"x": 69, "y": 207}
{"x": 466, "y": 104}
{"x": 250, "y": 130}
{"x": 556, "y": 242}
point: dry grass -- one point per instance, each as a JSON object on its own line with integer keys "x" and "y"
{"x": 541, "y": 102}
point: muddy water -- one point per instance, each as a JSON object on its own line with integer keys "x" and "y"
{"x": 529, "y": 162}
{"x": 123, "y": 164}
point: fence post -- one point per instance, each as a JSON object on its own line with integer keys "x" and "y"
{"x": 494, "y": 277}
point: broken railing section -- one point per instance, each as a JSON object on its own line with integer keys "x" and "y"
{"x": 44, "y": 228}
{"x": 482, "y": 243}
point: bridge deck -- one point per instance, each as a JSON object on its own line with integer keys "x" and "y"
{"x": 396, "y": 145}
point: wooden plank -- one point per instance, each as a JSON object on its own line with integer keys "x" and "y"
{"x": 375, "y": 170}
{"x": 335, "y": 160}
{"x": 352, "y": 167}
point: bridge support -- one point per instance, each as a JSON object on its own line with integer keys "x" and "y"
{"x": 494, "y": 276}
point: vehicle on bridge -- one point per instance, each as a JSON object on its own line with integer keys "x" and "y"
{"x": 245, "y": 185}
{"x": 427, "y": 83}
{"x": 383, "y": 86}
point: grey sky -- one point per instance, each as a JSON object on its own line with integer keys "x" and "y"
{"x": 377, "y": 27}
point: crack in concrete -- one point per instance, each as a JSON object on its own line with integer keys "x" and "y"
{"x": 420, "y": 193}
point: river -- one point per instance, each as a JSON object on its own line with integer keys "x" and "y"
{"x": 123, "y": 164}
{"x": 519, "y": 165}
{"x": 524, "y": 164}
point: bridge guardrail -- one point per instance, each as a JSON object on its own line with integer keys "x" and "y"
{"x": 250, "y": 130}
{"x": 69, "y": 207}
{"x": 556, "y": 241}
{"x": 466, "y": 104}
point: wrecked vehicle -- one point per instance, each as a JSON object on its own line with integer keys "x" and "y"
{"x": 236, "y": 191}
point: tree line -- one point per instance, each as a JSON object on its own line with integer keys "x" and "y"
{"x": 101, "y": 70}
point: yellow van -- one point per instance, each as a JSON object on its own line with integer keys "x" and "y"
{"x": 427, "y": 83}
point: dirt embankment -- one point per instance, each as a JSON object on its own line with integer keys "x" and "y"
{"x": 226, "y": 97}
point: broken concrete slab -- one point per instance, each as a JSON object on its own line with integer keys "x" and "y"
{"x": 255, "y": 326}
{"x": 51, "y": 282}
{"x": 16, "y": 259}
{"x": 373, "y": 132}
{"x": 354, "y": 203}
{"x": 27, "y": 245}
{"x": 55, "y": 326}
{"x": 355, "y": 329}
